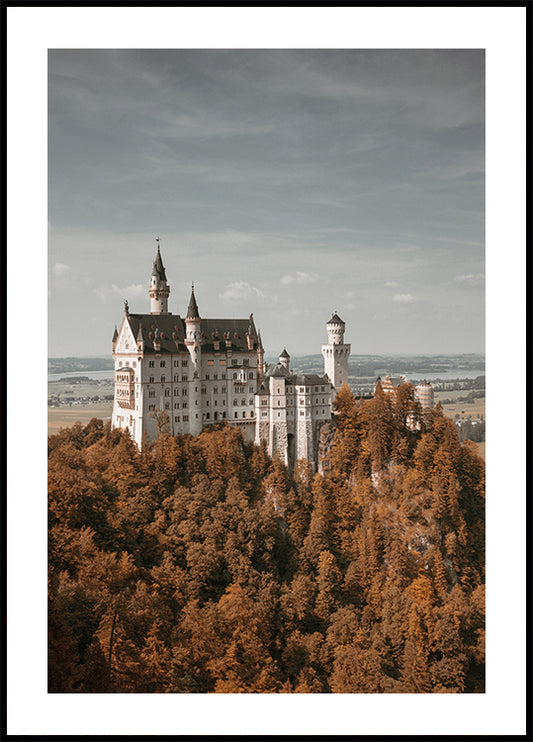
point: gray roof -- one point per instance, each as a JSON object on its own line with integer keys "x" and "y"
{"x": 159, "y": 269}
{"x": 335, "y": 319}
{"x": 171, "y": 330}
{"x": 278, "y": 370}
{"x": 192, "y": 312}
{"x": 284, "y": 354}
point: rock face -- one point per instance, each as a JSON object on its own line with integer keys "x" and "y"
{"x": 325, "y": 446}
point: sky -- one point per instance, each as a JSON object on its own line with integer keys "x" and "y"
{"x": 290, "y": 184}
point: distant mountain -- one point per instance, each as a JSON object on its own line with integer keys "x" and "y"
{"x": 374, "y": 365}
{"x": 91, "y": 363}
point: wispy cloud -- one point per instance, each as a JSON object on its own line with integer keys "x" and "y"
{"x": 391, "y": 284}
{"x": 135, "y": 289}
{"x": 299, "y": 278}
{"x": 238, "y": 290}
{"x": 61, "y": 269}
{"x": 470, "y": 279}
{"x": 404, "y": 298}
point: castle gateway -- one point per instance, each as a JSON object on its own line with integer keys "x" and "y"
{"x": 183, "y": 374}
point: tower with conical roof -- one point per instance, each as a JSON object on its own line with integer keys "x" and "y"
{"x": 336, "y": 352}
{"x": 159, "y": 288}
{"x": 193, "y": 343}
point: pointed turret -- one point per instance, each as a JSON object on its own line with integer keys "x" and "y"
{"x": 285, "y": 359}
{"x": 115, "y": 338}
{"x": 159, "y": 288}
{"x": 159, "y": 268}
{"x": 192, "y": 311}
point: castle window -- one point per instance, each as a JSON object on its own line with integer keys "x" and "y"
{"x": 216, "y": 403}
{"x": 223, "y": 390}
{"x": 279, "y": 402}
{"x": 207, "y": 415}
{"x": 176, "y": 391}
{"x": 176, "y": 418}
{"x": 215, "y": 390}
{"x": 301, "y": 412}
{"x": 301, "y": 401}
{"x": 184, "y": 392}
{"x": 264, "y": 414}
{"x": 176, "y": 405}
{"x": 184, "y": 363}
{"x": 210, "y": 363}
{"x": 184, "y": 405}
{"x": 243, "y": 401}
{"x": 223, "y": 376}
{"x": 151, "y": 394}
{"x": 184, "y": 378}
{"x": 163, "y": 379}
{"x": 234, "y": 376}
{"x": 244, "y": 414}
{"x": 246, "y": 362}
{"x": 215, "y": 376}
{"x": 151, "y": 407}
{"x": 234, "y": 362}
{"x": 167, "y": 406}
{"x": 207, "y": 403}
{"x": 252, "y": 413}
{"x": 251, "y": 375}
{"x": 235, "y": 402}
{"x": 222, "y": 362}
{"x": 151, "y": 379}
{"x": 264, "y": 401}
{"x": 176, "y": 363}
{"x": 162, "y": 364}
{"x": 223, "y": 402}
{"x": 204, "y": 390}
{"x": 236, "y": 414}
{"x": 250, "y": 401}
{"x": 186, "y": 418}
{"x": 279, "y": 414}
{"x": 176, "y": 378}
{"x": 167, "y": 392}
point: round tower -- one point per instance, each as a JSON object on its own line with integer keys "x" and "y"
{"x": 159, "y": 288}
{"x": 336, "y": 352}
{"x": 193, "y": 341}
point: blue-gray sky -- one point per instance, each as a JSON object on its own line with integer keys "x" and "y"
{"x": 290, "y": 184}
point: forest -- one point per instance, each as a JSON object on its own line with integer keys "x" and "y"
{"x": 201, "y": 565}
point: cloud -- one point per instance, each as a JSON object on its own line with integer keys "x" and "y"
{"x": 135, "y": 289}
{"x": 241, "y": 290}
{"x": 299, "y": 278}
{"x": 404, "y": 298}
{"x": 470, "y": 279}
{"x": 125, "y": 292}
{"x": 391, "y": 284}
{"x": 61, "y": 269}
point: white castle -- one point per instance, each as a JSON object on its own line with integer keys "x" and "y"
{"x": 183, "y": 374}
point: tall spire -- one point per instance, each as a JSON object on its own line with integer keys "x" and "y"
{"x": 192, "y": 312}
{"x": 159, "y": 288}
{"x": 159, "y": 268}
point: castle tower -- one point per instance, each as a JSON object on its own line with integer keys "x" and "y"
{"x": 336, "y": 353}
{"x": 260, "y": 357}
{"x": 285, "y": 359}
{"x": 159, "y": 288}
{"x": 193, "y": 341}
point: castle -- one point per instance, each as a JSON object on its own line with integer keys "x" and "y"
{"x": 183, "y": 374}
